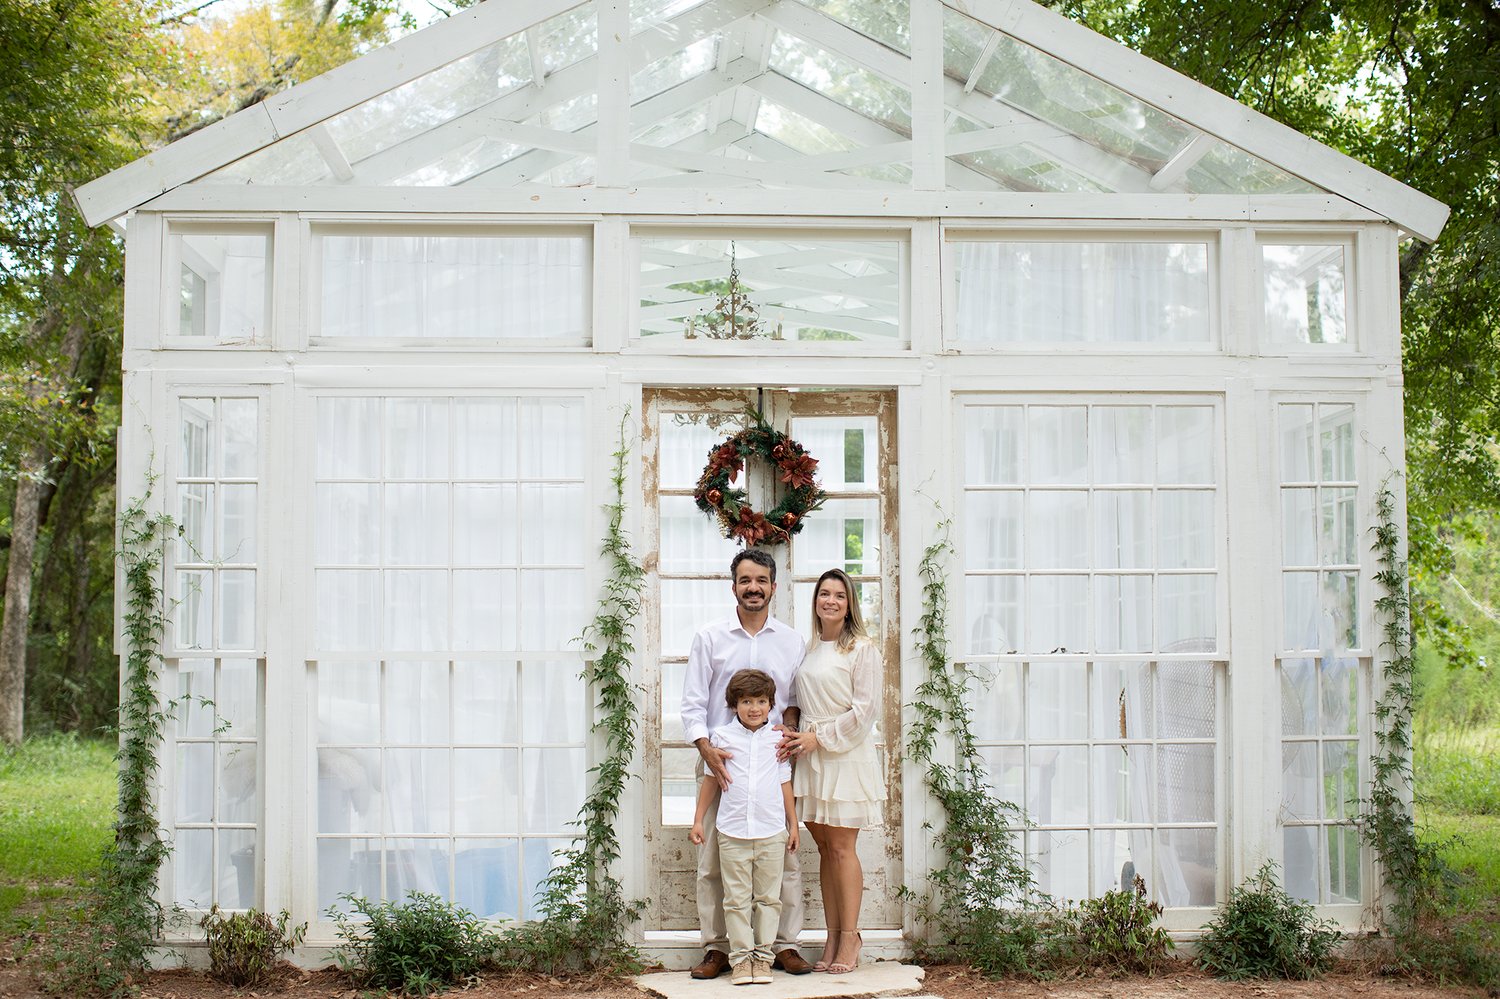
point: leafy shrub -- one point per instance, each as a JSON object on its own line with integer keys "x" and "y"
{"x": 1117, "y": 931}
{"x": 243, "y": 947}
{"x": 1262, "y": 932}
{"x": 421, "y": 946}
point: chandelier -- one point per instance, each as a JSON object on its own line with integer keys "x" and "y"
{"x": 733, "y": 316}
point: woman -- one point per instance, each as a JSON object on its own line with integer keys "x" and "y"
{"x": 837, "y": 781}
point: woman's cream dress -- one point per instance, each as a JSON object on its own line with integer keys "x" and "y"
{"x": 840, "y": 784}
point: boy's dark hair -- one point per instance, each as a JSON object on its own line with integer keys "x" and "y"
{"x": 760, "y": 558}
{"x": 749, "y": 683}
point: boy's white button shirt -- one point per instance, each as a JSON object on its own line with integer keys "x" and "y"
{"x": 753, "y": 806}
{"x": 722, "y": 649}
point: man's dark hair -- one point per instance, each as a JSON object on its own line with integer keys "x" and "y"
{"x": 760, "y": 558}
{"x": 749, "y": 683}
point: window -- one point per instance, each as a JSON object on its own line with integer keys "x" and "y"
{"x": 221, "y": 281}
{"x": 215, "y": 767}
{"x": 1323, "y": 674}
{"x": 1305, "y": 295}
{"x": 427, "y": 285}
{"x": 449, "y": 568}
{"x": 1091, "y": 637}
{"x": 1053, "y": 291}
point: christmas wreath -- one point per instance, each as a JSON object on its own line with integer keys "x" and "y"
{"x": 737, "y": 519}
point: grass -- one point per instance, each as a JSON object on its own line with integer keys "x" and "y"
{"x": 57, "y": 798}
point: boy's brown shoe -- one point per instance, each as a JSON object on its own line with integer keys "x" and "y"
{"x": 715, "y": 963}
{"x": 742, "y": 974}
{"x": 791, "y": 962}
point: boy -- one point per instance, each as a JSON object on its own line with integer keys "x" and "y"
{"x": 756, "y": 824}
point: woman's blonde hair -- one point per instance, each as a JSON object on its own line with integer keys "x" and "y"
{"x": 854, "y": 626}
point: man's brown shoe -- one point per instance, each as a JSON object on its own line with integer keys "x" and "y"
{"x": 715, "y": 963}
{"x": 791, "y": 962}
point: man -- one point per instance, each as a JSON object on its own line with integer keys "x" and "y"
{"x": 751, "y": 639}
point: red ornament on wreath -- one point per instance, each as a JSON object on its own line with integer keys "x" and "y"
{"x": 794, "y": 468}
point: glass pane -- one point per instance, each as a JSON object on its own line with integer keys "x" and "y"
{"x": 1341, "y": 786}
{"x": 237, "y": 868}
{"x": 413, "y": 865}
{"x": 1343, "y": 864}
{"x": 1122, "y": 784}
{"x": 194, "y": 705}
{"x": 195, "y": 505}
{"x": 1186, "y": 614}
{"x": 538, "y": 858}
{"x": 846, "y": 449}
{"x": 1123, "y": 698}
{"x": 1122, "y": 445}
{"x": 1341, "y": 593}
{"x": 485, "y": 524}
{"x": 1054, "y": 779}
{"x": 1059, "y": 444}
{"x": 1122, "y": 529}
{"x": 1122, "y": 614}
{"x": 1060, "y": 861}
{"x": 1340, "y": 688}
{"x": 493, "y": 287}
{"x": 992, "y": 445}
{"x": 1122, "y": 855}
{"x": 416, "y": 702}
{"x": 416, "y": 438}
{"x": 992, "y": 535}
{"x": 485, "y": 873}
{"x": 560, "y": 687}
{"x": 196, "y": 452}
{"x": 348, "y": 609}
{"x": 685, "y": 440}
{"x": 554, "y": 609}
{"x": 1185, "y": 783}
{"x": 1007, "y": 773}
{"x": 239, "y": 801}
{"x": 686, "y": 605}
{"x": 348, "y": 438}
{"x": 237, "y": 701}
{"x": 689, "y": 541}
{"x": 193, "y": 867}
{"x": 486, "y": 791}
{"x": 995, "y": 700}
{"x": 347, "y": 866}
{"x": 1185, "y": 445}
{"x": 554, "y": 783}
{"x": 1069, "y": 292}
{"x": 195, "y": 782}
{"x": 485, "y": 705}
{"x": 1057, "y": 529}
{"x": 1299, "y": 861}
{"x": 1299, "y": 527}
{"x": 484, "y": 610}
{"x": 1187, "y": 866}
{"x": 551, "y": 520}
{"x": 484, "y": 438}
{"x": 1188, "y": 699}
{"x": 416, "y": 609}
{"x": 1057, "y": 701}
{"x": 1336, "y": 442}
{"x": 992, "y": 608}
{"x": 237, "y": 526}
{"x": 348, "y": 523}
{"x": 1057, "y": 614}
{"x": 416, "y": 524}
{"x": 1185, "y": 529}
{"x": 1299, "y": 696}
{"x": 1304, "y": 293}
{"x": 1300, "y": 610}
{"x": 1296, "y": 429}
{"x": 1339, "y": 530}
{"x": 417, "y": 794}
{"x": 241, "y": 430}
{"x": 1301, "y": 799}
{"x": 195, "y": 609}
{"x": 843, "y": 534}
{"x": 237, "y": 600}
{"x": 348, "y": 702}
{"x": 552, "y": 442}
{"x": 679, "y": 785}
{"x": 224, "y": 285}
{"x": 350, "y": 790}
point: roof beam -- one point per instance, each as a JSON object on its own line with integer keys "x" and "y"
{"x": 1204, "y": 108}
{"x": 333, "y": 155}
{"x": 1182, "y": 161}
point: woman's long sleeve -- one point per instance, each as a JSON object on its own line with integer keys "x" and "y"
{"x": 849, "y": 729}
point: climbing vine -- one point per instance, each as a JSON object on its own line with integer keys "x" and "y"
{"x": 120, "y": 919}
{"x": 982, "y": 905}
{"x": 586, "y": 916}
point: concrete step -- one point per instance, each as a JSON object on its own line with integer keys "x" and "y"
{"x": 879, "y": 978}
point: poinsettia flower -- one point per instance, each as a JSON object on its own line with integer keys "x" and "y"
{"x": 797, "y": 471}
{"x": 753, "y": 527}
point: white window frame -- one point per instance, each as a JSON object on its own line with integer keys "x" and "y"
{"x": 1346, "y": 241}
{"x": 170, "y": 289}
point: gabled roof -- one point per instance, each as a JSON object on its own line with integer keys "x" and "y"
{"x": 963, "y": 95}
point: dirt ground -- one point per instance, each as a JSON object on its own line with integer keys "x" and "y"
{"x": 18, "y": 981}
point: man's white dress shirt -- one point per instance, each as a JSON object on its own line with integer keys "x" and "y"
{"x": 753, "y": 806}
{"x": 722, "y": 649}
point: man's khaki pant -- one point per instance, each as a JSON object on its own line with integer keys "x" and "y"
{"x": 711, "y": 891}
{"x": 750, "y": 870}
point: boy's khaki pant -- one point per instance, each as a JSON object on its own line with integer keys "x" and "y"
{"x": 751, "y": 873}
{"x": 711, "y": 891}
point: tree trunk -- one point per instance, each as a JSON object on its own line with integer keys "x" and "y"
{"x": 16, "y": 629}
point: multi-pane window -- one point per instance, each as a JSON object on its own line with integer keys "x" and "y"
{"x": 216, "y": 484}
{"x": 1091, "y": 637}
{"x": 446, "y": 285}
{"x": 449, "y": 567}
{"x": 216, "y": 776}
{"x": 221, "y": 283}
{"x": 455, "y": 777}
{"x": 1323, "y": 669}
{"x": 1304, "y": 293}
{"x": 845, "y": 531}
{"x": 1067, "y": 291}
